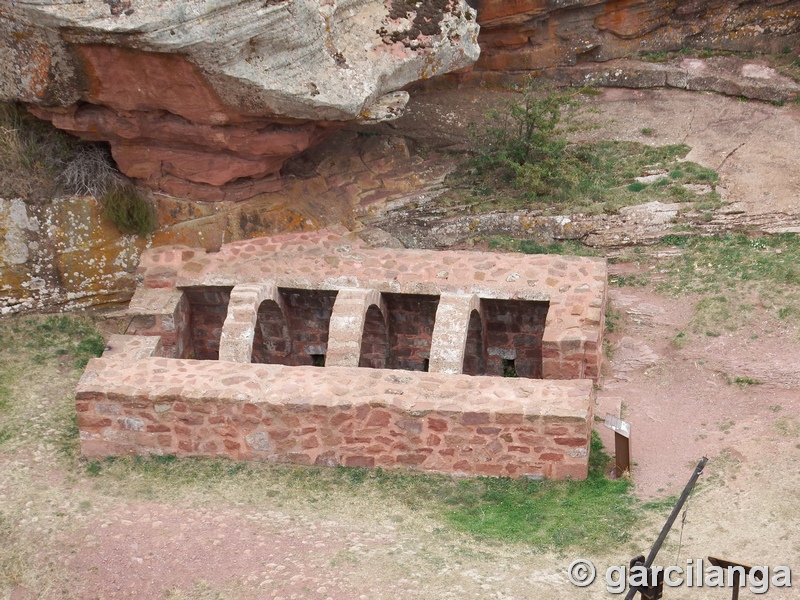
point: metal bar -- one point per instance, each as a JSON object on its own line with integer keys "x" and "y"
{"x": 622, "y": 453}
{"x": 671, "y": 519}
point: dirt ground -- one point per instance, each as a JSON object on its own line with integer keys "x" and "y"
{"x": 72, "y": 536}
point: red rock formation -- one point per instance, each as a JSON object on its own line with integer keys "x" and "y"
{"x": 526, "y": 35}
{"x": 206, "y": 100}
{"x": 169, "y": 130}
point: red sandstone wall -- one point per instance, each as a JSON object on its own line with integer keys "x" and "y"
{"x": 515, "y": 326}
{"x": 375, "y": 340}
{"x": 336, "y": 416}
{"x": 208, "y": 307}
{"x": 524, "y": 35}
{"x": 411, "y": 320}
{"x": 360, "y": 436}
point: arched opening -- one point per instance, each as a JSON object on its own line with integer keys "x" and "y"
{"x": 374, "y": 341}
{"x": 475, "y": 350}
{"x": 208, "y": 307}
{"x": 272, "y": 343}
{"x": 308, "y": 313}
{"x": 411, "y": 318}
{"x": 514, "y": 330}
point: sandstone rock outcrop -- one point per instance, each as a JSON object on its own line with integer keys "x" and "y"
{"x": 206, "y": 100}
{"x": 530, "y": 35}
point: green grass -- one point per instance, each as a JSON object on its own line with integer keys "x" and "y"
{"x": 720, "y": 263}
{"x": 523, "y": 159}
{"x": 744, "y": 381}
{"x": 581, "y": 515}
{"x": 613, "y": 318}
{"x": 734, "y": 275}
{"x": 127, "y": 208}
{"x": 632, "y": 280}
{"x": 504, "y": 243}
{"x": 604, "y": 176}
{"x": 33, "y": 351}
{"x": 788, "y": 427}
{"x": 589, "y": 514}
{"x": 56, "y": 336}
{"x": 679, "y": 341}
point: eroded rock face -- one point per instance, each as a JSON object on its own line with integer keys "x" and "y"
{"x": 526, "y": 35}
{"x": 206, "y": 100}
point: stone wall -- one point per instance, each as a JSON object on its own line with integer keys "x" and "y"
{"x": 42, "y": 244}
{"x": 63, "y": 254}
{"x": 543, "y": 312}
{"x": 312, "y": 350}
{"x": 411, "y": 319}
{"x": 129, "y": 402}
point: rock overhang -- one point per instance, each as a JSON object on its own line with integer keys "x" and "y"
{"x": 173, "y": 86}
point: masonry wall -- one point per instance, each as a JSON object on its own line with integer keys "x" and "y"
{"x": 272, "y": 342}
{"x": 378, "y": 319}
{"x": 162, "y": 313}
{"x": 411, "y": 319}
{"x": 475, "y": 347}
{"x": 514, "y": 331}
{"x": 375, "y": 340}
{"x": 308, "y": 315}
{"x": 359, "y": 418}
{"x": 208, "y": 307}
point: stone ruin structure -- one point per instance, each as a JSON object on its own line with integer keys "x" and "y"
{"x": 311, "y": 349}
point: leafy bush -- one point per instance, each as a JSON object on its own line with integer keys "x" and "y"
{"x": 523, "y": 159}
{"x": 525, "y": 143}
{"x": 126, "y": 207}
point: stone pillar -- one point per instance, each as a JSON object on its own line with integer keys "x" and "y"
{"x": 563, "y": 354}
{"x": 236, "y": 343}
{"x": 347, "y": 325}
{"x": 162, "y": 312}
{"x": 450, "y": 332}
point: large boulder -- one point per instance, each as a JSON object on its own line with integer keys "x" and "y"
{"x": 207, "y": 99}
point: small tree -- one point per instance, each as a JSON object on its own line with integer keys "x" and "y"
{"x": 525, "y": 142}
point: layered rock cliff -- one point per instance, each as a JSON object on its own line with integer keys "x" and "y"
{"x": 206, "y": 100}
{"x": 533, "y": 35}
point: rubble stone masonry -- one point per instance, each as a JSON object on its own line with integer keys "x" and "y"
{"x": 311, "y": 349}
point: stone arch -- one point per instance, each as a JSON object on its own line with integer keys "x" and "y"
{"x": 451, "y": 330}
{"x": 475, "y": 346}
{"x": 375, "y": 339}
{"x": 242, "y": 326}
{"x": 345, "y": 341}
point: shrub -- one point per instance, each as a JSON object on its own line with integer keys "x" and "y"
{"x": 525, "y": 143}
{"x": 30, "y": 152}
{"x": 126, "y": 207}
{"x": 38, "y": 162}
{"x": 87, "y": 171}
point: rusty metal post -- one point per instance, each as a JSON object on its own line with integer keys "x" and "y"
{"x": 622, "y": 444}
{"x": 721, "y": 562}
